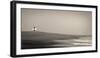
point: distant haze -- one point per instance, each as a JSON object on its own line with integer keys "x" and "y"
{"x": 57, "y": 21}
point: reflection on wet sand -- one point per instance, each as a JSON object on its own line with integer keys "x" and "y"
{"x": 32, "y": 40}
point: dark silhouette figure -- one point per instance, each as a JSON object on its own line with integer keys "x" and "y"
{"x": 34, "y": 29}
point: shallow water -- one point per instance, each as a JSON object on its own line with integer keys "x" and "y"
{"x": 82, "y": 41}
{"x": 30, "y": 40}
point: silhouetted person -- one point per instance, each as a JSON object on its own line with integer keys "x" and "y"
{"x": 34, "y": 29}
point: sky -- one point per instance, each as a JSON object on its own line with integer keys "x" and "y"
{"x": 57, "y": 21}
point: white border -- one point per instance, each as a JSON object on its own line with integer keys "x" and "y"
{"x": 51, "y": 50}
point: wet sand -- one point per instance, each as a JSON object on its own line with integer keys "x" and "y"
{"x": 36, "y": 40}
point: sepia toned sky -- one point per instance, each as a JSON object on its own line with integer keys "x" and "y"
{"x": 57, "y": 21}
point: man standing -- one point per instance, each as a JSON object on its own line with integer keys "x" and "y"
{"x": 34, "y": 29}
